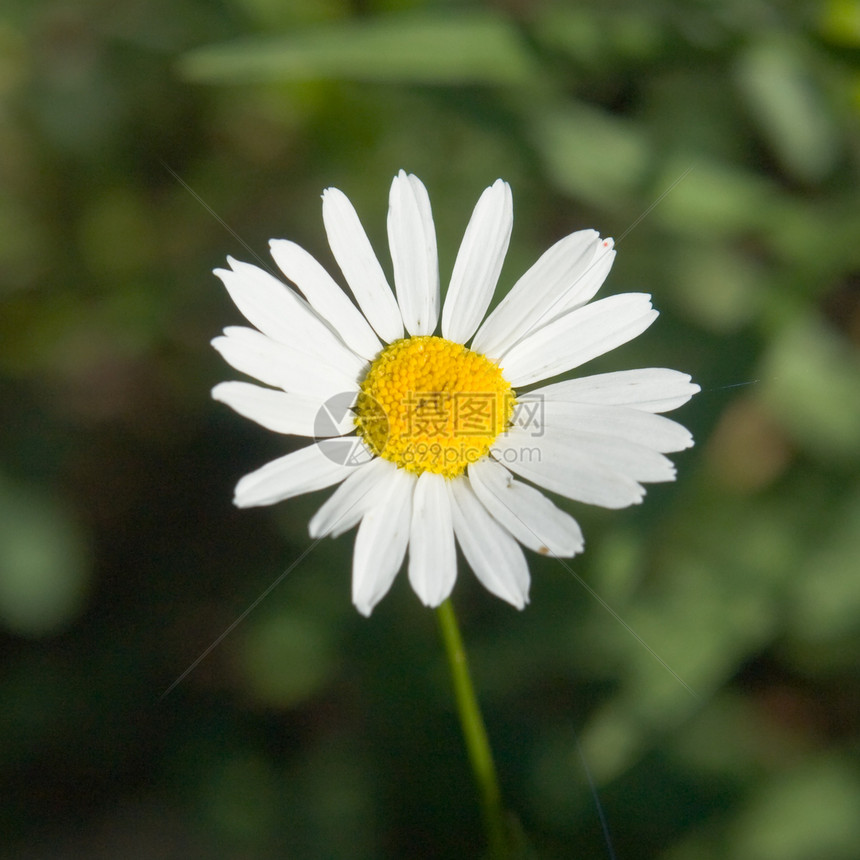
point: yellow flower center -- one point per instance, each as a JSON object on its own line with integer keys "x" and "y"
{"x": 430, "y": 405}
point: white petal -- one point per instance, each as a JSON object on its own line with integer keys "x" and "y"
{"x": 577, "y": 337}
{"x": 524, "y": 511}
{"x": 432, "y": 555}
{"x": 310, "y": 468}
{"x": 579, "y": 292}
{"x": 494, "y": 556}
{"x": 380, "y": 544}
{"x": 479, "y": 262}
{"x": 533, "y": 297}
{"x": 279, "y": 312}
{"x": 653, "y": 389}
{"x": 590, "y": 281}
{"x": 412, "y": 238}
{"x": 296, "y": 414}
{"x": 534, "y": 413}
{"x": 360, "y": 265}
{"x": 284, "y": 366}
{"x": 326, "y": 297}
{"x": 642, "y": 464}
{"x": 554, "y": 462}
{"x": 351, "y": 500}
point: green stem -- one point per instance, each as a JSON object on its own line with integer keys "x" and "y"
{"x": 475, "y": 734}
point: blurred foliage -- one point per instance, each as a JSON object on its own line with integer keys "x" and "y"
{"x": 141, "y": 142}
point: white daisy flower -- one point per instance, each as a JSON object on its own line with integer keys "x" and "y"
{"x": 425, "y": 433}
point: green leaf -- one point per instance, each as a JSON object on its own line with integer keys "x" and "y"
{"x": 787, "y": 105}
{"x": 285, "y": 659}
{"x": 840, "y": 22}
{"x": 469, "y": 48}
{"x": 711, "y": 198}
{"x": 810, "y": 811}
{"x": 591, "y": 154}
{"x": 826, "y": 596}
{"x": 718, "y": 285}
{"x": 44, "y": 570}
{"x": 810, "y": 381}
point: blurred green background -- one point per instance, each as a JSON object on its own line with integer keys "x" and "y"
{"x": 310, "y": 732}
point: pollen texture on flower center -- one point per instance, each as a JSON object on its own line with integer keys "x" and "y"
{"x": 430, "y": 405}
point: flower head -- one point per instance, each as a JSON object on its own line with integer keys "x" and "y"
{"x": 424, "y": 433}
